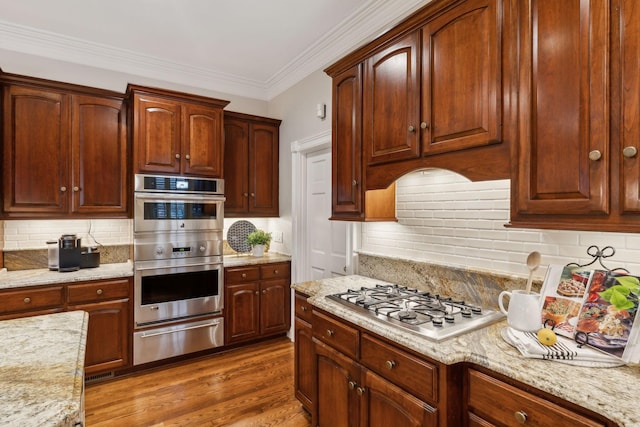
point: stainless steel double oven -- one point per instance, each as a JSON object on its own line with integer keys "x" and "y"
{"x": 178, "y": 271}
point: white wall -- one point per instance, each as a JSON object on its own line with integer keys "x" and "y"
{"x": 443, "y": 218}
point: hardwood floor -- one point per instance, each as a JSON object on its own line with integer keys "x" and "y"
{"x": 250, "y": 386}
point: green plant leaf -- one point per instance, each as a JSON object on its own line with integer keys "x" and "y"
{"x": 607, "y": 295}
{"x": 620, "y": 301}
{"x": 630, "y": 282}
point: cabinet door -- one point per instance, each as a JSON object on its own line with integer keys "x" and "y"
{"x": 391, "y": 102}
{"x": 304, "y": 381}
{"x": 236, "y": 168}
{"x": 202, "y": 141}
{"x": 337, "y": 380}
{"x": 563, "y": 142}
{"x": 275, "y": 306}
{"x": 461, "y": 94}
{"x": 99, "y": 150}
{"x": 630, "y": 106}
{"x": 263, "y": 169}
{"x": 242, "y": 320}
{"x": 346, "y": 151}
{"x": 107, "y": 335}
{"x": 156, "y": 138}
{"x": 383, "y": 404}
{"x": 36, "y": 151}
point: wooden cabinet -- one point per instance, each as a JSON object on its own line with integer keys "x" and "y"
{"x": 176, "y": 133}
{"x": 251, "y": 164}
{"x": 257, "y": 301}
{"x": 108, "y": 303}
{"x": 429, "y": 93}
{"x": 73, "y": 162}
{"x": 492, "y": 402}
{"x": 304, "y": 352}
{"x": 362, "y": 381}
{"x": 109, "y": 306}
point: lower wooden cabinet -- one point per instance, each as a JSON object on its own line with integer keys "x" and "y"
{"x": 257, "y": 301}
{"x": 304, "y": 352}
{"x": 108, "y": 303}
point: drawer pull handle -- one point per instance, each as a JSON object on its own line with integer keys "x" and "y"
{"x": 264, "y": 291}
{"x": 244, "y": 275}
{"x": 303, "y": 308}
{"x": 595, "y": 155}
{"x": 630, "y": 152}
{"x": 352, "y": 385}
{"x": 257, "y": 292}
{"x": 391, "y": 364}
{"x": 27, "y": 300}
{"x": 330, "y": 333}
{"x": 276, "y": 272}
{"x": 521, "y": 417}
{"x": 99, "y": 292}
{"x": 360, "y": 391}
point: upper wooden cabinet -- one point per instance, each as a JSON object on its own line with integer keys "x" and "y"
{"x": 578, "y": 122}
{"x": 251, "y": 165}
{"x": 176, "y": 133}
{"x": 426, "y": 94}
{"x": 64, "y": 149}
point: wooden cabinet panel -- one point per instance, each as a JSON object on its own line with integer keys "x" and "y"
{"x": 107, "y": 335}
{"x": 31, "y": 299}
{"x": 251, "y": 164}
{"x": 563, "y": 156}
{"x": 275, "y": 307}
{"x": 391, "y": 102}
{"x": 275, "y": 271}
{"x": 304, "y": 354}
{"x": 242, "y": 316}
{"x": 461, "y": 87}
{"x": 343, "y": 337}
{"x": 414, "y": 375}
{"x": 98, "y": 291}
{"x": 99, "y": 156}
{"x": 503, "y": 404}
{"x": 36, "y": 150}
{"x": 241, "y": 274}
{"x": 202, "y": 141}
{"x": 303, "y": 308}
{"x": 385, "y": 404}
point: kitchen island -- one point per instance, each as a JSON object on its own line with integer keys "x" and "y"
{"x": 42, "y": 370}
{"x": 606, "y": 391}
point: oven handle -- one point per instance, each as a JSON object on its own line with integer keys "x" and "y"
{"x": 155, "y": 334}
{"x": 179, "y": 197}
{"x": 164, "y": 267}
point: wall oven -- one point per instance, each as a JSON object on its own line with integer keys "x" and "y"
{"x": 178, "y": 270}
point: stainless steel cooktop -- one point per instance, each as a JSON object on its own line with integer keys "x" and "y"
{"x": 433, "y": 316}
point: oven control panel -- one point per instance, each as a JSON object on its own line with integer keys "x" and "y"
{"x": 155, "y": 249}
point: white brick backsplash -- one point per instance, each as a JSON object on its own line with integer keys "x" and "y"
{"x": 444, "y": 218}
{"x": 33, "y": 234}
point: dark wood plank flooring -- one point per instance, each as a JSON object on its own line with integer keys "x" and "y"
{"x": 249, "y": 386}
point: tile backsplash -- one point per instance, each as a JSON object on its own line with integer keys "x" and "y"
{"x": 445, "y": 219}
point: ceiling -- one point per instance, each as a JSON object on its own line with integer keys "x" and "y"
{"x": 254, "y": 48}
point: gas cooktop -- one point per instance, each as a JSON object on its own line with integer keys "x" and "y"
{"x": 433, "y": 316}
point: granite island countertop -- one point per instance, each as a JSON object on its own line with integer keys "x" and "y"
{"x": 607, "y": 391}
{"x": 42, "y": 370}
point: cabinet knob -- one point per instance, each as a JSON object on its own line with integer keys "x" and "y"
{"x": 99, "y": 292}
{"x": 352, "y": 385}
{"x": 424, "y": 125}
{"x": 253, "y": 194}
{"x": 264, "y": 291}
{"x": 390, "y": 364}
{"x": 63, "y": 189}
{"x": 27, "y": 300}
{"x": 76, "y": 189}
{"x": 360, "y": 391}
{"x": 629, "y": 152}
{"x": 303, "y": 308}
{"x": 276, "y": 271}
{"x": 330, "y": 333}
{"x": 187, "y": 156}
{"x": 354, "y": 182}
{"x": 244, "y": 275}
{"x": 595, "y": 155}
{"x": 521, "y": 417}
{"x": 257, "y": 292}
{"x": 412, "y": 128}
{"x": 177, "y": 155}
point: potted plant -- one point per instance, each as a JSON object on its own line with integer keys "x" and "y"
{"x": 258, "y": 239}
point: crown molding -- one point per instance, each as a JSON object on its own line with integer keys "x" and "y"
{"x": 368, "y": 22}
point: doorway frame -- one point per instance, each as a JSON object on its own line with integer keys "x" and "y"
{"x": 300, "y": 150}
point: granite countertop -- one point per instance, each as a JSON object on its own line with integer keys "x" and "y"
{"x": 248, "y": 259}
{"x": 42, "y": 369}
{"x": 611, "y": 392}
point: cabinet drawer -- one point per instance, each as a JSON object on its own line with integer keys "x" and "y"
{"x": 418, "y": 377}
{"x": 241, "y": 274}
{"x": 275, "y": 271}
{"x": 338, "y": 335}
{"x": 303, "y": 308}
{"x": 98, "y": 291}
{"x": 496, "y": 401}
{"x": 31, "y": 299}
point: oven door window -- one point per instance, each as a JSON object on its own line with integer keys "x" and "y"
{"x": 159, "y": 210}
{"x": 164, "y": 288}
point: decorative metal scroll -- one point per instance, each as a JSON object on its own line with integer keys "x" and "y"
{"x": 598, "y": 255}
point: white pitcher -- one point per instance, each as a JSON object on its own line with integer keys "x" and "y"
{"x": 524, "y": 310}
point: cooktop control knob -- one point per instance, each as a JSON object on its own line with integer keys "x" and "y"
{"x": 159, "y": 250}
{"x": 202, "y": 248}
